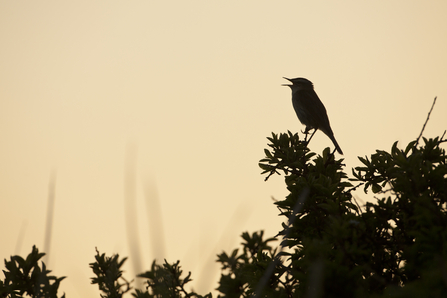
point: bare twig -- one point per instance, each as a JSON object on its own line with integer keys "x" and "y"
{"x": 442, "y": 137}
{"x": 354, "y": 187}
{"x": 426, "y": 120}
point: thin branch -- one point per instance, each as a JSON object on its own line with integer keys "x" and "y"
{"x": 426, "y": 120}
{"x": 354, "y": 187}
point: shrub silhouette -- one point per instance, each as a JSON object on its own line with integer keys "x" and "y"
{"x": 328, "y": 246}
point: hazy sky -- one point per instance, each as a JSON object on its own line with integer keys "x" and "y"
{"x": 180, "y": 96}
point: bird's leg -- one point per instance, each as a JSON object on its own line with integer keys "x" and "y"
{"x": 306, "y": 132}
{"x": 315, "y": 130}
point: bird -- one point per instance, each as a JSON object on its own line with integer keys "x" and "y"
{"x": 309, "y": 108}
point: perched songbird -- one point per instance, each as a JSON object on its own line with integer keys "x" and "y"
{"x": 309, "y": 108}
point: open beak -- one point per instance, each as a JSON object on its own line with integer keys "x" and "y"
{"x": 287, "y": 80}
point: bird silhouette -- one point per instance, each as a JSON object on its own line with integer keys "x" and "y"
{"x": 309, "y": 108}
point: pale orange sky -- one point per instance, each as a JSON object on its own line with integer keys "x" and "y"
{"x": 194, "y": 88}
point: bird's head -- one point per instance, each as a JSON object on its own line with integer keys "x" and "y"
{"x": 299, "y": 83}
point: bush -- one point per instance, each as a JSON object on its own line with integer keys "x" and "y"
{"x": 328, "y": 246}
{"x": 26, "y": 277}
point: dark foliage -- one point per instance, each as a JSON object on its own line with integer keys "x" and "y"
{"x": 394, "y": 247}
{"x": 328, "y": 246}
{"x": 26, "y": 277}
{"x": 109, "y": 276}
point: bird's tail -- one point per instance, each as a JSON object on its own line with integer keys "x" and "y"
{"x": 336, "y": 144}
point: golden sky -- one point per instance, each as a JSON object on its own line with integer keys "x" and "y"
{"x": 178, "y": 98}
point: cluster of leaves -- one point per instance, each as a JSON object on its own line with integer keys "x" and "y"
{"x": 329, "y": 246}
{"x": 243, "y": 271}
{"x": 395, "y": 247}
{"x": 166, "y": 281}
{"x": 410, "y": 221}
{"x": 26, "y": 277}
{"x": 161, "y": 281}
{"x": 109, "y": 276}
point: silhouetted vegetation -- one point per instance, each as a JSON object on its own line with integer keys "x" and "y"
{"x": 328, "y": 245}
{"x": 26, "y": 277}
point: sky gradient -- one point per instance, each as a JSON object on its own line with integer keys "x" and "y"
{"x": 169, "y": 104}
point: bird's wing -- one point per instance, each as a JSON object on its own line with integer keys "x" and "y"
{"x": 314, "y": 108}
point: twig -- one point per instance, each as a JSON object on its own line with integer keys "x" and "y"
{"x": 354, "y": 187}
{"x": 426, "y": 120}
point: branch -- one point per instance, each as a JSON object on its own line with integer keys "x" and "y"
{"x": 426, "y": 120}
